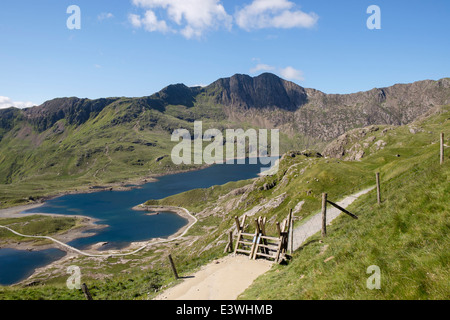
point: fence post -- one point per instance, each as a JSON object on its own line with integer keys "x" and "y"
{"x": 229, "y": 246}
{"x": 324, "y": 214}
{"x": 442, "y": 148}
{"x": 86, "y": 292}
{"x": 378, "y": 188}
{"x": 291, "y": 228}
{"x": 173, "y": 267}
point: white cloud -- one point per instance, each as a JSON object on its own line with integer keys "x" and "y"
{"x": 273, "y": 14}
{"x": 289, "y": 73}
{"x": 261, "y": 67}
{"x": 190, "y": 18}
{"x": 6, "y": 102}
{"x": 105, "y": 15}
{"x": 151, "y": 22}
{"x": 135, "y": 20}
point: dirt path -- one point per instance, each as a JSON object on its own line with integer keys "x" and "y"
{"x": 223, "y": 279}
{"x": 227, "y": 278}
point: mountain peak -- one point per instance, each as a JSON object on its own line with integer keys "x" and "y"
{"x": 178, "y": 94}
{"x": 264, "y": 91}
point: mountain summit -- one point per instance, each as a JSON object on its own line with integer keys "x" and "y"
{"x": 264, "y": 91}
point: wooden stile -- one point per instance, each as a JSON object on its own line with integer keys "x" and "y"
{"x": 244, "y": 244}
{"x": 273, "y": 247}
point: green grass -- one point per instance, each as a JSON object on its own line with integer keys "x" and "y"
{"x": 202, "y": 196}
{"x": 137, "y": 285}
{"x": 407, "y": 237}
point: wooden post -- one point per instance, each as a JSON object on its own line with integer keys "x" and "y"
{"x": 442, "y": 148}
{"x": 278, "y": 229}
{"x": 291, "y": 229}
{"x": 173, "y": 267}
{"x": 324, "y": 214}
{"x": 86, "y": 292}
{"x": 262, "y": 222}
{"x": 238, "y": 224}
{"x": 378, "y": 188}
{"x": 229, "y": 246}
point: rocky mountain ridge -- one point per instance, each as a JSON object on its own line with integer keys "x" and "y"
{"x": 263, "y": 101}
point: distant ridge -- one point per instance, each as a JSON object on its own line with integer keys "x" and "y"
{"x": 113, "y": 139}
{"x": 239, "y": 94}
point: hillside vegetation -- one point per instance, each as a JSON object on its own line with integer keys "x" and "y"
{"x": 407, "y": 236}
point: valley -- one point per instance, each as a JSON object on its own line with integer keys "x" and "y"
{"x": 409, "y": 230}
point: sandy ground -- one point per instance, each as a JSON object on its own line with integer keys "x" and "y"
{"x": 223, "y": 279}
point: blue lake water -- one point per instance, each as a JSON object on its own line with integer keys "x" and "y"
{"x": 114, "y": 208}
{"x": 16, "y": 265}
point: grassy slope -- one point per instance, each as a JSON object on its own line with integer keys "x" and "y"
{"x": 409, "y": 230}
{"x": 413, "y": 182}
{"x": 407, "y": 236}
{"x": 95, "y": 153}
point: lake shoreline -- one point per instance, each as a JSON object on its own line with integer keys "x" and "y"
{"x": 88, "y": 224}
{"x": 127, "y": 185}
{"x": 15, "y": 212}
{"x": 58, "y": 266}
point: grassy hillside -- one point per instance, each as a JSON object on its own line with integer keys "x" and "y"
{"x": 406, "y": 236}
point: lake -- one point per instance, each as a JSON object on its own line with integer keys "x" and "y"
{"x": 114, "y": 208}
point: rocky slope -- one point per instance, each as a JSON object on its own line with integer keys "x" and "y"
{"x": 278, "y": 103}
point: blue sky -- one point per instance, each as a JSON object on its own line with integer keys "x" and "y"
{"x": 137, "y": 47}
